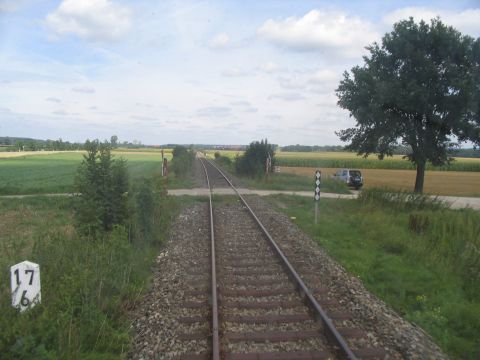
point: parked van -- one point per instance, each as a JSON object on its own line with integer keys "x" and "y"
{"x": 352, "y": 178}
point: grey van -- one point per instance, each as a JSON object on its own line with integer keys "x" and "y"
{"x": 352, "y": 178}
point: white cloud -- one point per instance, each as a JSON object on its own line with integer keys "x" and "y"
{"x": 322, "y": 80}
{"x": 220, "y": 41}
{"x": 52, "y": 99}
{"x": 244, "y": 106}
{"x": 270, "y": 67}
{"x": 292, "y": 82}
{"x": 99, "y": 20}
{"x": 467, "y": 21}
{"x": 287, "y": 97}
{"x": 274, "y": 117}
{"x": 84, "y": 89}
{"x": 240, "y": 103}
{"x": 319, "y": 30}
{"x": 60, "y": 113}
{"x": 234, "y": 72}
{"x": 214, "y": 111}
{"x": 324, "y": 76}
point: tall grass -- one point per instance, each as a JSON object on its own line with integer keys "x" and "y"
{"x": 448, "y": 242}
{"x": 452, "y": 239}
{"x": 88, "y": 285}
{"x": 400, "y": 200}
{"x": 448, "y": 238}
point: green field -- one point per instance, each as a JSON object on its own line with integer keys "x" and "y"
{"x": 420, "y": 259}
{"x": 37, "y": 174}
{"x": 351, "y": 160}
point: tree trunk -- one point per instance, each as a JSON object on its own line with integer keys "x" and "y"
{"x": 420, "y": 177}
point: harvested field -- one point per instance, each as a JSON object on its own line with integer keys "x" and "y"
{"x": 456, "y": 183}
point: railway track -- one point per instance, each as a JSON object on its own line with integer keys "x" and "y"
{"x": 257, "y": 306}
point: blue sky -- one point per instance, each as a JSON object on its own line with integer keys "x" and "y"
{"x": 221, "y": 72}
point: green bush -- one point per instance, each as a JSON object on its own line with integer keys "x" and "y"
{"x": 225, "y": 162}
{"x": 252, "y": 162}
{"x": 182, "y": 161}
{"x": 148, "y": 208}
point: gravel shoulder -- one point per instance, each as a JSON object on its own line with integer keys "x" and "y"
{"x": 155, "y": 319}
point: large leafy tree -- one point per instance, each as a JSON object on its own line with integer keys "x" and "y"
{"x": 419, "y": 88}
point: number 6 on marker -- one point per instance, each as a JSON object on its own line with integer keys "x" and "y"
{"x": 25, "y": 282}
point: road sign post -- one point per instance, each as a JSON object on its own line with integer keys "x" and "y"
{"x": 318, "y": 181}
{"x": 25, "y": 283}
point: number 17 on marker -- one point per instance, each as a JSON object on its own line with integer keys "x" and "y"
{"x": 25, "y": 282}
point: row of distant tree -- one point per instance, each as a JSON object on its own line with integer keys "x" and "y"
{"x": 25, "y": 144}
{"x": 28, "y": 144}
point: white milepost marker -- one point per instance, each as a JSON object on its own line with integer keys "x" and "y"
{"x": 25, "y": 282}
{"x": 318, "y": 180}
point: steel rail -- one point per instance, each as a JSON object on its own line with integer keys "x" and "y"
{"x": 215, "y": 336}
{"x": 331, "y": 331}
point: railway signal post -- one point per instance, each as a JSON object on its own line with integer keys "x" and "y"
{"x": 163, "y": 157}
{"x": 318, "y": 180}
